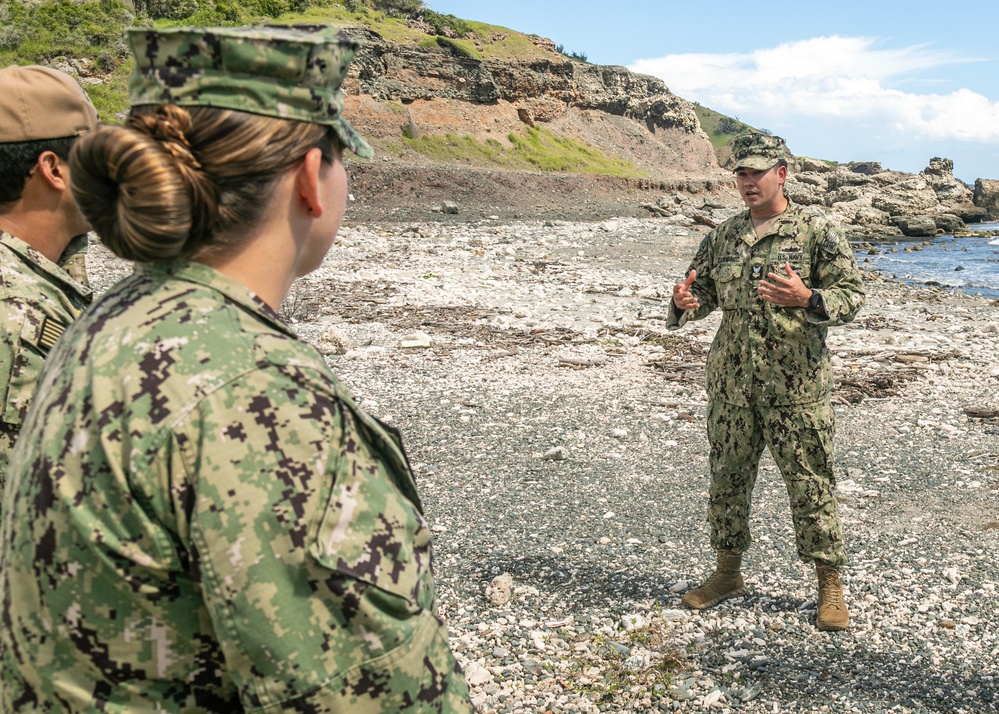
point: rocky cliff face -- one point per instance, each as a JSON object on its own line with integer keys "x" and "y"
{"x": 435, "y": 90}
{"x": 396, "y": 90}
{"x": 987, "y": 196}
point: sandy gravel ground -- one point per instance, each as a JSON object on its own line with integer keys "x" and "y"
{"x": 557, "y": 432}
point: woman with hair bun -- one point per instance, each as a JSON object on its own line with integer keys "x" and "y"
{"x": 198, "y": 518}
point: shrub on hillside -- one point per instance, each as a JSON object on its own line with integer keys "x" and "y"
{"x": 727, "y": 125}
{"x": 447, "y": 25}
{"x": 170, "y": 9}
{"x": 39, "y": 31}
{"x": 399, "y": 8}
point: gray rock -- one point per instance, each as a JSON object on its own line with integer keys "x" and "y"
{"x": 917, "y": 225}
{"x": 416, "y": 341}
{"x": 500, "y": 590}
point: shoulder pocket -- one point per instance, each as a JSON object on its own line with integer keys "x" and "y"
{"x": 370, "y": 530}
{"x": 27, "y": 355}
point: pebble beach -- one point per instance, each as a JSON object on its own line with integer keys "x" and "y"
{"x": 557, "y": 433}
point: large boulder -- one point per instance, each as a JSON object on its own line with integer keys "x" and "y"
{"x": 867, "y": 168}
{"x": 918, "y": 226}
{"x": 949, "y": 223}
{"x": 808, "y": 189}
{"x": 870, "y": 216}
{"x": 899, "y": 194}
{"x": 986, "y": 197}
{"x": 807, "y": 165}
{"x": 955, "y": 196}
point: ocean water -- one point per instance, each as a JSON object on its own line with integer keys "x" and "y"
{"x": 967, "y": 264}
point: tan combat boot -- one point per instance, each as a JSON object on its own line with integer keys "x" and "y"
{"x": 724, "y": 583}
{"x": 832, "y": 614}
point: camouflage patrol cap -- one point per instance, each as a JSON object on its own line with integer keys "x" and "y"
{"x": 758, "y": 151}
{"x": 284, "y": 72}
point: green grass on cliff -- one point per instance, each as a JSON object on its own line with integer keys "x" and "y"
{"x": 534, "y": 149}
{"x": 719, "y": 128}
{"x": 461, "y": 48}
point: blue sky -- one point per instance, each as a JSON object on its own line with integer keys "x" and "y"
{"x": 882, "y": 81}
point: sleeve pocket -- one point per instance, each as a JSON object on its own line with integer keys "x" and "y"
{"x": 370, "y": 531}
{"x": 27, "y": 355}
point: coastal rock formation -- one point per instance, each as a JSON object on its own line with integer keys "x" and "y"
{"x": 400, "y": 93}
{"x": 877, "y": 203}
{"x": 987, "y": 197}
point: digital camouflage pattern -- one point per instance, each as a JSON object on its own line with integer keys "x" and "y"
{"x": 757, "y": 151}
{"x": 200, "y": 519}
{"x": 800, "y": 438}
{"x": 766, "y": 354}
{"x": 769, "y": 373}
{"x": 38, "y": 299}
{"x": 284, "y": 72}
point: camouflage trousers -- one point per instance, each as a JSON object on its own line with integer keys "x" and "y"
{"x": 800, "y": 439}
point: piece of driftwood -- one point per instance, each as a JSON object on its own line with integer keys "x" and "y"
{"x": 572, "y": 362}
{"x": 657, "y": 210}
{"x": 982, "y": 413}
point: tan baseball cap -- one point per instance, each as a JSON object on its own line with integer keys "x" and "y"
{"x": 42, "y": 103}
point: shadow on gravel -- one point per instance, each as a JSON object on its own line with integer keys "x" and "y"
{"x": 585, "y": 584}
{"x": 806, "y": 673}
{"x": 866, "y": 680}
{"x": 581, "y": 583}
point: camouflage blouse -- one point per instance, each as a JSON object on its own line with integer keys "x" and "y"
{"x": 38, "y": 300}
{"x": 200, "y": 519}
{"x": 765, "y": 353}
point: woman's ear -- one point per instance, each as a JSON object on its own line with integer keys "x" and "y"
{"x": 307, "y": 182}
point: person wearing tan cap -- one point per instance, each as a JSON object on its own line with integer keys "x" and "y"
{"x": 43, "y": 237}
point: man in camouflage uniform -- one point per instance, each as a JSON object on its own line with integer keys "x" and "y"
{"x": 207, "y": 521}
{"x": 782, "y": 275}
{"x": 43, "y": 237}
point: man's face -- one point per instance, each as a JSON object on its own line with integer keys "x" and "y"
{"x": 761, "y": 190}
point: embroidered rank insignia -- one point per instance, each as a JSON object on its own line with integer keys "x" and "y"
{"x": 51, "y": 331}
{"x": 757, "y": 272}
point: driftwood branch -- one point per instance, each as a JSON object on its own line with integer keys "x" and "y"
{"x": 982, "y": 413}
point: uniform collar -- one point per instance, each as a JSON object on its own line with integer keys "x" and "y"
{"x": 234, "y": 291}
{"x": 42, "y": 264}
{"x": 747, "y": 231}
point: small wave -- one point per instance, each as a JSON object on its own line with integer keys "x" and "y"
{"x": 994, "y": 241}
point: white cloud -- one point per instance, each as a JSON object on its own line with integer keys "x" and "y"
{"x": 849, "y": 79}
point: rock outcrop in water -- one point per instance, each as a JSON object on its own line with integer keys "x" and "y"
{"x": 870, "y": 202}
{"x": 878, "y": 203}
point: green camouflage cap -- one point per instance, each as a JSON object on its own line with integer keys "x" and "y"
{"x": 285, "y": 72}
{"x": 755, "y": 150}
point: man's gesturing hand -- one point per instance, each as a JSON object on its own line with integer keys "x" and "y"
{"x": 682, "y": 297}
{"x": 788, "y": 292}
